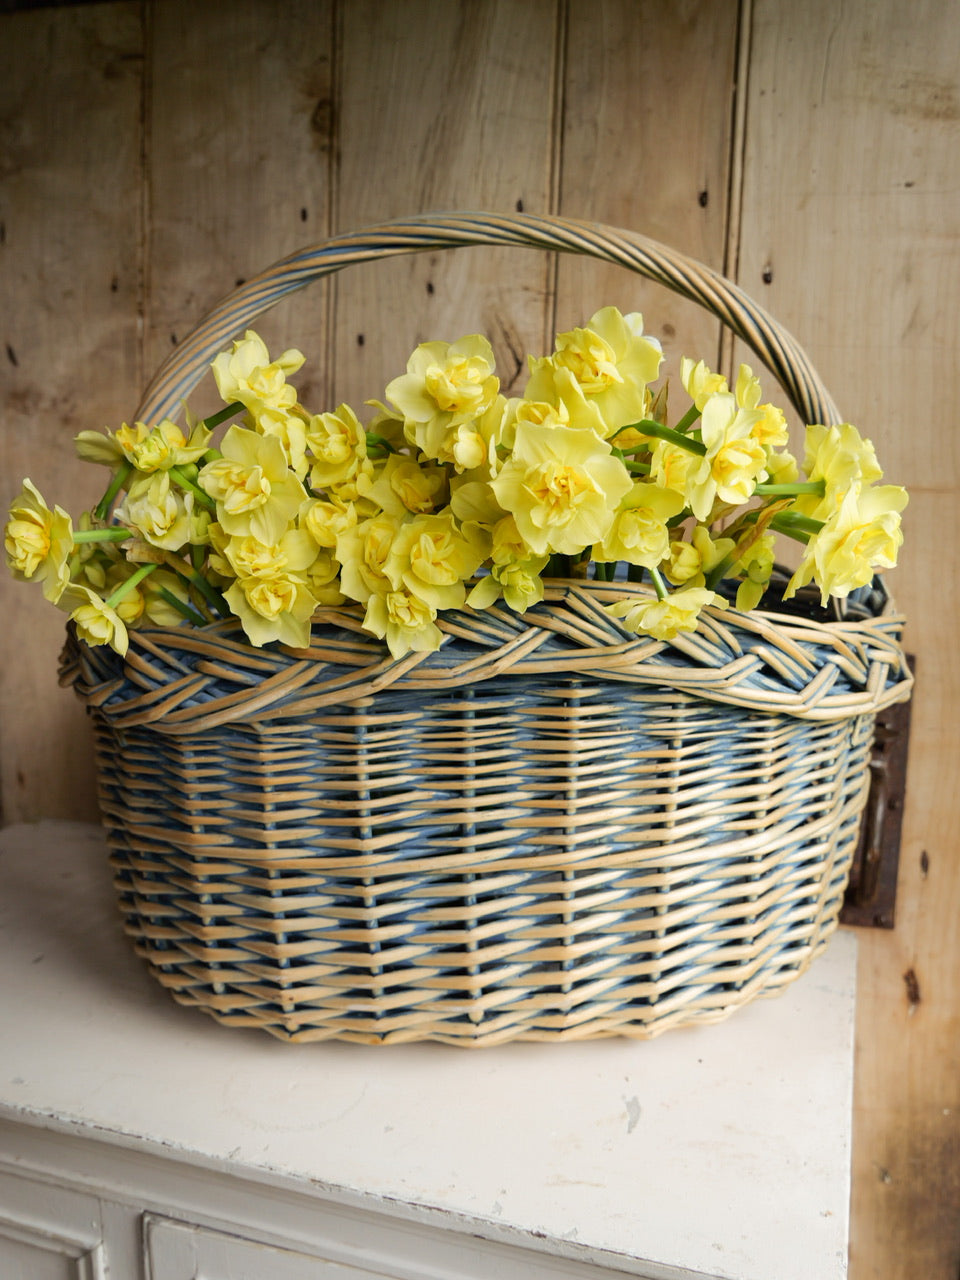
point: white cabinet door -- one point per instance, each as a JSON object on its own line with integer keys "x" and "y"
{"x": 48, "y": 1232}
{"x": 183, "y": 1251}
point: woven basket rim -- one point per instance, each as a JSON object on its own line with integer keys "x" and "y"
{"x": 187, "y": 679}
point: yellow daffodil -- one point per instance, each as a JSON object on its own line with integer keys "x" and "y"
{"x": 363, "y": 552}
{"x": 431, "y": 559}
{"x": 690, "y": 562}
{"x": 255, "y": 491}
{"x": 699, "y": 382}
{"x": 514, "y": 572}
{"x": 610, "y": 361}
{"x": 665, "y": 619}
{"x": 248, "y": 375}
{"x": 291, "y": 554}
{"x": 639, "y": 533}
{"x": 290, "y": 429}
{"x": 278, "y": 608}
{"x": 840, "y": 458}
{"x": 404, "y": 486}
{"x": 160, "y": 447}
{"x": 756, "y": 568}
{"x": 405, "y": 621}
{"x": 735, "y": 461}
{"x": 325, "y": 521}
{"x": 158, "y": 511}
{"x": 562, "y": 486}
{"x": 96, "y": 621}
{"x": 861, "y": 536}
{"x": 38, "y": 542}
{"x": 770, "y": 430}
{"x": 323, "y": 579}
{"x": 337, "y": 444}
{"x": 157, "y": 592}
{"x": 445, "y": 385}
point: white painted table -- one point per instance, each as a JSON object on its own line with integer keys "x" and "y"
{"x": 142, "y": 1139}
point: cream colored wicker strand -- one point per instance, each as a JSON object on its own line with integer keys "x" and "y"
{"x": 185, "y": 366}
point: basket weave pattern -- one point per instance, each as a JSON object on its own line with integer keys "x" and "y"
{"x": 546, "y": 830}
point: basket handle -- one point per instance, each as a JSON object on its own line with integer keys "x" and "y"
{"x": 780, "y": 352}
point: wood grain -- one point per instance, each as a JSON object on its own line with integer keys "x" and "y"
{"x": 240, "y": 148}
{"x": 647, "y": 116}
{"x": 848, "y": 234}
{"x": 450, "y": 106}
{"x": 70, "y": 103}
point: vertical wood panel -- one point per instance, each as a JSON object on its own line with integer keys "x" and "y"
{"x": 444, "y": 105}
{"x": 850, "y": 236}
{"x": 70, "y": 101}
{"x": 239, "y": 153}
{"x": 646, "y": 145}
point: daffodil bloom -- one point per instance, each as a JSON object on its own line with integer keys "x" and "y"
{"x": 273, "y": 608}
{"x": 771, "y": 429}
{"x": 639, "y": 532}
{"x": 325, "y": 521}
{"x": 554, "y": 397}
{"x": 404, "y": 486}
{"x": 431, "y": 558}
{"x": 756, "y": 567}
{"x": 861, "y": 536}
{"x": 610, "y": 360}
{"x": 699, "y": 382}
{"x": 338, "y": 445}
{"x": 734, "y": 462}
{"x": 840, "y": 458}
{"x": 96, "y": 621}
{"x": 518, "y": 582}
{"x": 255, "y": 491}
{"x": 158, "y": 511}
{"x": 290, "y": 429}
{"x": 691, "y": 562}
{"x": 363, "y": 552}
{"x": 445, "y": 384}
{"x": 291, "y": 554}
{"x": 38, "y": 542}
{"x": 664, "y": 619}
{"x": 248, "y": 375}
{"x": 562, "y": 486}
{"x": 163, "y": 446}
{"x": 405, "y": 621}
{"x": 323, "y": 579}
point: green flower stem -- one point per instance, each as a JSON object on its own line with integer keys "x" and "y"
{"x": 120, "y": 478}
{"x": 210, "y": 594}
{"x": 222, "y": 415}
{"x": 182, "y": 607}
{"x": 134, "y": 580}
{"x": 651, "y": 428}
{"x": 791, "y": 522}
{"x": 719, "y": 571}
{"x": 102, "y": 535}
{"x": 659, "y": 585}
{"x": 185, "y": 482}
{"x": 817, "y": 487}
{"x": 379, "y": 442}
{"x": 637, "y": 468}
{"x": 688, "y": 419}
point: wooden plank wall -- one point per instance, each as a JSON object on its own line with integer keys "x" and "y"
{"x": 153, "y": 154}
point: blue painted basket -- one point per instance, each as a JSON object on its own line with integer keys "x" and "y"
{"x": 549, "y": 829}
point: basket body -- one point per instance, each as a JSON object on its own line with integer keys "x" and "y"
{"x": 537, "y": 833}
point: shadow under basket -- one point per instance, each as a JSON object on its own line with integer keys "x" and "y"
{"x": 547, "y": 830}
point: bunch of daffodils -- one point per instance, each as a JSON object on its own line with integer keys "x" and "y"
{"x": 453, "y": 495}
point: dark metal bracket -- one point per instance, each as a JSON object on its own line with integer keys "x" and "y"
{"x": 872, "y": 890}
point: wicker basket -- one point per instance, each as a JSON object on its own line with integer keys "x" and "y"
{"x": 549, "y": 829}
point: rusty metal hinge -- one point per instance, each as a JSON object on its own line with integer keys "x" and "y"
{"x": 872, "y": 890}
